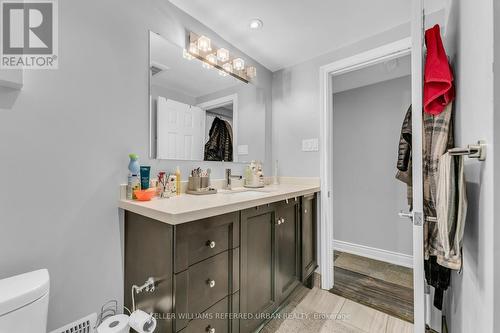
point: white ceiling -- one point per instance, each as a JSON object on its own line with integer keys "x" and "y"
{"x": 298, "y": 30}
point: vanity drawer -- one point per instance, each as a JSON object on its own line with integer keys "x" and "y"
{"x": 202, "y": 285}
{"x": 196, "y": 241}
{"x": 211, "y": 320}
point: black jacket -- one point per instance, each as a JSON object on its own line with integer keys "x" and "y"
{"x": 220, "y": 144}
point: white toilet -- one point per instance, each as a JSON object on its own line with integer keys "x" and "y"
{"x": 24, "y": 302}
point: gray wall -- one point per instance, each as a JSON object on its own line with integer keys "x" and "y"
{"x": 367, "y": 197}
{"x": 471, "y": 304}
{"x": 296, "y": 101}
{"x": 64, "y": 147}
{"x": 496, "y": 147}
{"x": 296, "y": 105}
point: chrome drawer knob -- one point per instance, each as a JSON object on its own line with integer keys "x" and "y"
{"x": 211, "y": 283}
{"x": 211, "y": 244}
{"x": 210, "y": 329}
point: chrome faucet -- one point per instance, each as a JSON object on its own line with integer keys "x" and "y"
{"x": 228, "y": 179}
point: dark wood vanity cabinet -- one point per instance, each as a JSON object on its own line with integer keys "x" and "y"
{"x": 259, "y": 295}
{"x": 308, "y": 236}
{"x": 245, "y": 263}
{"x": 148, "y": 253}
{"x": 287, "y": 247}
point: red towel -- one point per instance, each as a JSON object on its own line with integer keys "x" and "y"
{"x": 438, "y": 79}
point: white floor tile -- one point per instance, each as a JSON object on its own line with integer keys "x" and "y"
{"x": 364, "y": 318}
{"x": 395, "y": 325}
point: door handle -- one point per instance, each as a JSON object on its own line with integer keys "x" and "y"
{"x": 415, "y": 217}
{"x": 405, "y": 215}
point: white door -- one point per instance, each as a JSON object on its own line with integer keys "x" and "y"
{"x": 180, "y": 130}
{"x": 417, "y": 218}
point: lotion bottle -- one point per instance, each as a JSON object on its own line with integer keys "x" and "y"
{"x": 178, "y": 180}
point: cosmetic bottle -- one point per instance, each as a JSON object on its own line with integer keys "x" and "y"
{"x": 134, "y": 182}
{"x": 178, "y": 180}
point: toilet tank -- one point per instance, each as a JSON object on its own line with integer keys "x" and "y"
{"x": 24, "y": 301}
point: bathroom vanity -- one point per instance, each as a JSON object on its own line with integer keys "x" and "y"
{"x": 224, "y": 262}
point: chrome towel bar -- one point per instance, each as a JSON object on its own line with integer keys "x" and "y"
{"x": 472, "y": 151}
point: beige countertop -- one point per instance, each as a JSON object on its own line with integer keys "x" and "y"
{"x": 187, "y": 207}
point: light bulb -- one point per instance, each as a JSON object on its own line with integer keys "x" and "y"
{"x": 212, "y": 58}
{"x": 223, "y": 55}
{"x": 206, "y": 65}
{"x": 193, "y": 48}
{"x": 204, "y": 44}
{"x": 251, "y": 72}
{"x": 228, "y": 67}
{"x": 238, "y": 64}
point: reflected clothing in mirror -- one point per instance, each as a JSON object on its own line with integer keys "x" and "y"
{"x": 219, "y": 146}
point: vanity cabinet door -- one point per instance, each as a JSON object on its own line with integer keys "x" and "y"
{"x": 148, "y": 253}
{"x": 308, "y": 236}
{"x": 287, "y": 234}
{"x": 257, "y": 290}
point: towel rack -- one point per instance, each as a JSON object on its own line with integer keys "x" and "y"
{"x": 472, "y": 151}
{"x": 431, "y": 219}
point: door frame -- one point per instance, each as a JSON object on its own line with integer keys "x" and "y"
{"x": 374, "y": 56}
{"x": 380, "y": 54}
{"x": 211, "y": 104}
{"x": 325, "y": 231}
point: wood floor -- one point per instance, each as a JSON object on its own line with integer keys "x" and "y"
{"x": 320, "y": 311}
{"x": 369, "y": 297}
{"x": 381, "y": 286}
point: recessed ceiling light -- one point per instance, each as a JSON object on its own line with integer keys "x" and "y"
{"x": 256, "y": 23}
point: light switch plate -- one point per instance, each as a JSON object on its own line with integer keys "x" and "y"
{"x": 310, "y": 144}
{"x": 242, "y": 149}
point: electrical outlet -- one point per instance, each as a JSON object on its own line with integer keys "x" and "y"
{"x": 310, "y": 144}
{"x": 242, "y": 149}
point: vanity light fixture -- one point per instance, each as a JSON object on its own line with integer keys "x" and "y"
{"x": 223, "y": 55}
{"x": 204, "y": 44}
{"x": 255, "y": 24}
{"x": 212, "y": 58}
{"x": 228, "y": 67}
{"x": 200, "y": 47}
{"x": 193, "y": 48}
{"x": 251, "y": 72}
{"x": 187, "y": 55}
{"x": 238, "y": 64}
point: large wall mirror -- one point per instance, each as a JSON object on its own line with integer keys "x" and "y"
{"x": 199, "y": 115}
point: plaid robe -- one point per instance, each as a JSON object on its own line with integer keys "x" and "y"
{"x": 438, "y": 138}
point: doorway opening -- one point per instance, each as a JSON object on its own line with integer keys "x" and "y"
{"x": 386, "y": 57}
{"x": 372, "y": 245}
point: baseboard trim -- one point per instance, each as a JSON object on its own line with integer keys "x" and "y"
{"x": 374, "y": 253}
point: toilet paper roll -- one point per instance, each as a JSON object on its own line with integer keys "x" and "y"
{"x": 115, "y": 324}
{"x": 142, "y": 322}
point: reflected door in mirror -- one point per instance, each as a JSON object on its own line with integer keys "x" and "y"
{"x": 180, "y": 130}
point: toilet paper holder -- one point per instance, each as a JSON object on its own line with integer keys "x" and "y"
{"x": 110, "y": 308}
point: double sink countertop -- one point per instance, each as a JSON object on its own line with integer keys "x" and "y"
{"x": 188, "y": 207}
